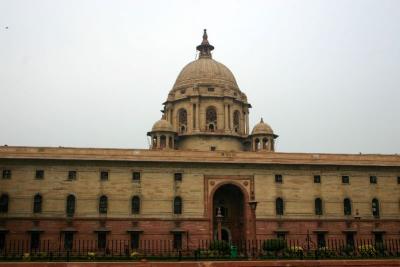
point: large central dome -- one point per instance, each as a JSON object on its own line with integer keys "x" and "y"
{"x": 205, "y": 70}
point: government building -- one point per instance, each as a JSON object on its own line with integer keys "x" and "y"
{"x": 206, "y": 175}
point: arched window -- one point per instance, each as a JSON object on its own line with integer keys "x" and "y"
{"x": 154, "y": 142}
{"x": 375, "y": 208}
{"x": 279, "y": 206}
{"x": 347, "y": 206}
{"x": 4, "y": 203}
{"x": 135, "y": 204}
{"x": 182, "y": 119}
{"x": 70, "y": 205}
{"x": 318, "y": 206}
{"x": 163, "y": 141}
{"x": 170, "y": 143}
{"x": 211, "y": 119}
{"x": 236, "y": 121}
{"x": 257, "y": 144}
{"x": 177, "y": 205}
{"x": 264, "y": 143}
{"x": 37, "y": 203}
{"x": 103, "y": 203}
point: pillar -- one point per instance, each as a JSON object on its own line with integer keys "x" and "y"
{"x": 247, "y": 122}
{"x": 226, "y": 117}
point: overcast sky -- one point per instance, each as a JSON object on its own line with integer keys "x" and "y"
{"x": 324, "y": 74}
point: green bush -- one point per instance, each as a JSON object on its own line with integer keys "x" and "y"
{"x": 275, "y": 245}
{"x": 220, "y": 245}
{"x": 367, "y": 250}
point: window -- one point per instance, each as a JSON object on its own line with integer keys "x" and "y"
{"x": 101, "y": 240}
{"x": 210, "y": 89}
{"x": 378, "y": 237}
{"x": 104, "y": 175}
{"x": 135, "y": 239}
{"x": 178, "y": 177}
{"x": 4, "y": 203}
{"x": 182, "y": 119}
{"x": 37, "y": 203}
{"x": 35, "y": 240}
{"x": 177, "y": 205}
{"x": 213, "y": 148}
{"x": 135, "y": 205}
{"x": 2, "y": 240}
{"x": 279, "y": 206}
{"x": 6, "y": 174}
{"x": 321, "y": 242}
{"x": 236, "y": 121}
{"x": 345, "y": 179}
{"x": 398, "y": 179}
{"x": 68, "y": 240}
{"x": 136, "y": 177}
{"x": 278, "y": 178}
{"x": 177, "y": 241}
{"x": 211, "y": 119}
{"x": 103, "y": 203}
{"x": 39, "y": 174}
{"x": 70, "y": 205}
{"x": 350, "y": 239}
{"x": 281, "y": 235}
{"x": 347, "y": 206}
{"x": 317, "y": 179}
{"x": 318, "y": 206}
{"x": 71, "y": 175}
{"x": 373, "y": 179}
{"x": 375, "y": 208}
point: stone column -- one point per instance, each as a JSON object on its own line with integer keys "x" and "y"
{"x": 253, "y": 206}
{"x": 247, "y": 122}
{"x": 226, "y": 117}
{"x": 158, "y": 141}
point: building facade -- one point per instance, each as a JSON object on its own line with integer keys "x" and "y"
{"x": 206, "y": 176}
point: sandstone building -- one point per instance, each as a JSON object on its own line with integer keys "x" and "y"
{"x": 205, "y": 176}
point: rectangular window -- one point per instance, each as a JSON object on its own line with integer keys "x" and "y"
{"x": 39, "y": 174}
{"x": 321, "y": 240}
{"x": 72, "y": 175}
{"x": 103, "y": 175}
{"x": 177, "y": 241}
{"x": 213, "y": 148}
{"x": 136, "y": 177}
{"x": 317, "y": 179}
{"x": 2, "y": 240}
{"x": 281, "y": 235}
{"x": 345, "y": 179}
{"x": 210, "y": 89}
{"x": 178, "y": 177}
{"x": 68, "y": 240}
{"x": 135, "y": 238}
{"x": 101, "y": 240}
{"x": 6, "y": 174}
{"x": 398, "y": 179}
{"x": 350, "y": 239}
{"x": 35, "y": 240}
{"x": 278, "y": 178}
{"x": 373, "y": 179}
{"x": 378, "y": 237}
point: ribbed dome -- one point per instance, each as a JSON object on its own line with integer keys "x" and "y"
{"x": 205, "y": 70}
{"x": 162, "y": 126}
{"x": 262, "y": 128}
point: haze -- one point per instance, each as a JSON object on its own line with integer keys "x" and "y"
{"x": 324, "y": 74}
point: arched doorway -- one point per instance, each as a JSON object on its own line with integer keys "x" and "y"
{"x": 228, "y": 200}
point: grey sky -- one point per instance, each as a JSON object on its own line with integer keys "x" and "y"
{"x": 324, "y": 74}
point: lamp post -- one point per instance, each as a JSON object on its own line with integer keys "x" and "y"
{"x": 219, "y": 223}
{"x": 253, "y": 207}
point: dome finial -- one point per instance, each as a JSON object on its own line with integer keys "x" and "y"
{"x": 205, "y": 48}
{"x": 262, "y": 121}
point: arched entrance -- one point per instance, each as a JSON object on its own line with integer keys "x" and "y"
{"x": 228, "y": 201}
